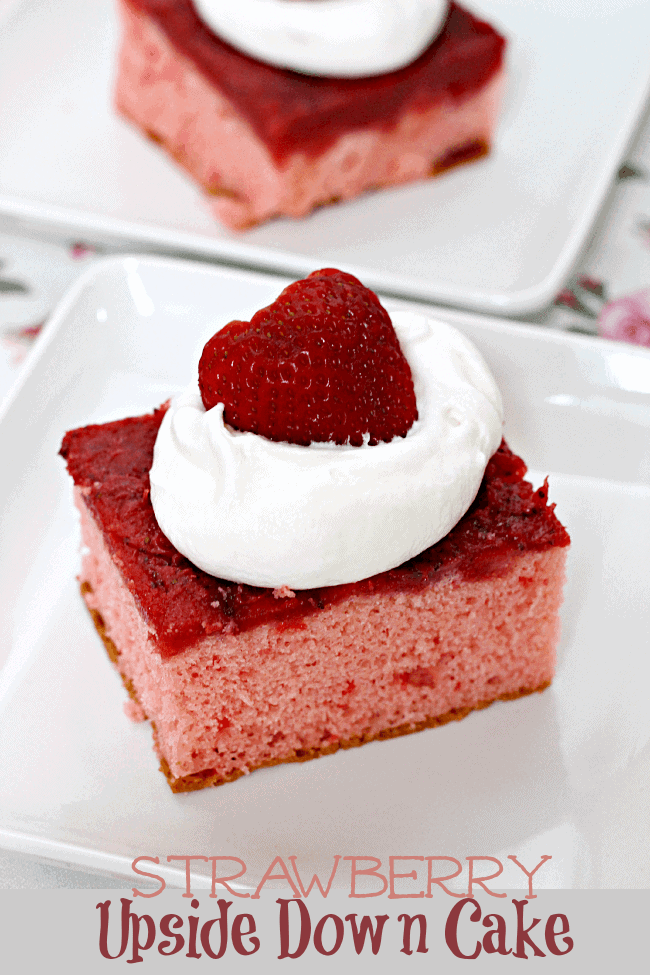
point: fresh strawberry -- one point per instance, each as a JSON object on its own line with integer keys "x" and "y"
{"x": 322, "y": 363}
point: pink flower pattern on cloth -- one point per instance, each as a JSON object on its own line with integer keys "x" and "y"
{"x": 627, "y": 319}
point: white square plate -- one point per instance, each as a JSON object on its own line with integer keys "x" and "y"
{"x": 498, "y": 236}
{"x": 564, "y": 773}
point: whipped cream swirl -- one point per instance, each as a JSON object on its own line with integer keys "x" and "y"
{"x": 247, "y": 509}
{"x": 337, "y": 38}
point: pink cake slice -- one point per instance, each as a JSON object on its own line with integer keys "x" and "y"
{"x": 264, "y": 141}
{"x": 234, "y": 678}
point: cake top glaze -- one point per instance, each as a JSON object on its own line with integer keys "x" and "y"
{"x": 110, "y": 464}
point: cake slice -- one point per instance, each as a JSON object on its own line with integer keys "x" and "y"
{"x": 235, "y": 677}
{"x": 264, "y": 141}
{"x": 320, "y": 543}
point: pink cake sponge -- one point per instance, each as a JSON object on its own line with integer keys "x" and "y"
{"x": 369, "y": 667}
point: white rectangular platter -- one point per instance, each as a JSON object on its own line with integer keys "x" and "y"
{"x": 499, "y": 236}
{"x": 564, "y": 773}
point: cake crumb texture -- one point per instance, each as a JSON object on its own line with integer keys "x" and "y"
{"x": 362, "y": 669}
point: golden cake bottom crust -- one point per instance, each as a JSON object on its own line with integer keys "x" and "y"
{"x": 206, "y": 778}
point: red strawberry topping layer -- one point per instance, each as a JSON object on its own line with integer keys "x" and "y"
{"x": 322, "y": 363}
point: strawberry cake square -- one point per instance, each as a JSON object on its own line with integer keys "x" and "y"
{"x": 323, "y": 542}
{"x": 314, "y": 116}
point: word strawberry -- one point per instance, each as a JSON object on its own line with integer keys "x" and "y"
{"x": 322, "y": 363}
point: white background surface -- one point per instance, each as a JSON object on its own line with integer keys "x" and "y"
{"x": 498, "y": 236}
{"x": 566, "y": 770}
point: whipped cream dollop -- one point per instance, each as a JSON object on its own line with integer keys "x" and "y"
{"x": 269, "y": 514}
{"x": 338, "y": 38}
